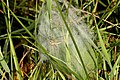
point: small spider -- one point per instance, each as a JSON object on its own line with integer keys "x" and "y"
{"x": 54, "y": 42}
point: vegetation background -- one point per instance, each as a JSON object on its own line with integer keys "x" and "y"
{"x": 20, "y": 50}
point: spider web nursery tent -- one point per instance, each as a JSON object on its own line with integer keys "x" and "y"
{"x": 56, "y": 39}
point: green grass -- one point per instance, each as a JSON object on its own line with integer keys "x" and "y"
{"x": 59, "y": 41}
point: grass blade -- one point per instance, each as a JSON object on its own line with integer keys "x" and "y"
{"x": 106, "y": 56}
{"x": 74, "y": 42}
{"x": 3, "y": 62}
